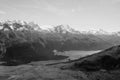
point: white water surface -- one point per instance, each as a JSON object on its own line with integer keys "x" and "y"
{"x": 77, "y": 54}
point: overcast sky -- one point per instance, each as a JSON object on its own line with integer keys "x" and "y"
{"x": 80, "y": 14}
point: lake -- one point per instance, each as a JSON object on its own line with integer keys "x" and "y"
{"x": 77, "y": 54}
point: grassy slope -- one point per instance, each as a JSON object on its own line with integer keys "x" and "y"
{"x": 39, "y": 71}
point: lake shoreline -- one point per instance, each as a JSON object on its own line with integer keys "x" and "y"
{"x": 76, "y": 54}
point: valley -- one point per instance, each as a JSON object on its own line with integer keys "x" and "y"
{"x": 28, "y": 52}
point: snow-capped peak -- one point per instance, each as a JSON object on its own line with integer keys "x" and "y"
{"x": 67, "y": 28}
{"x": 64, "y": 29}
{"x": 46, "y": 27}
{"x": 97, "y": 32}
{"x": 58, "y": 29}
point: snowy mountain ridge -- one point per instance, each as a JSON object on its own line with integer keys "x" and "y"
{"x": 67, "y": 28}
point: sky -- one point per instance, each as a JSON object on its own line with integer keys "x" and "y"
{"x": 79, "y": 14}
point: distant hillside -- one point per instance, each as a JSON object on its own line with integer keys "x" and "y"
{"x": 71, "y": 39}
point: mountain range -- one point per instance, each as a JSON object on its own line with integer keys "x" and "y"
{"x": 92, "y": 36}
{"x": 67, "y": 28}
{"x": 32, "y": 42}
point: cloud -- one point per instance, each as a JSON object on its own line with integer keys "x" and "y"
{"x": 55, "y": 10}
{"x": 60, "y": 11}
{"x": 73, "y": 10}
{"x": 2, "y": 12}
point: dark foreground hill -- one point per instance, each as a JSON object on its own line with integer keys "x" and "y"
{"x": 108, "y": 59}
{"x": 104, "y": 65}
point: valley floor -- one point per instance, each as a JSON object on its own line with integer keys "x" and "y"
{"x": 42, "y": 71}
{"x": 52, "y": 70}
{"x": 38, "y": 72}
